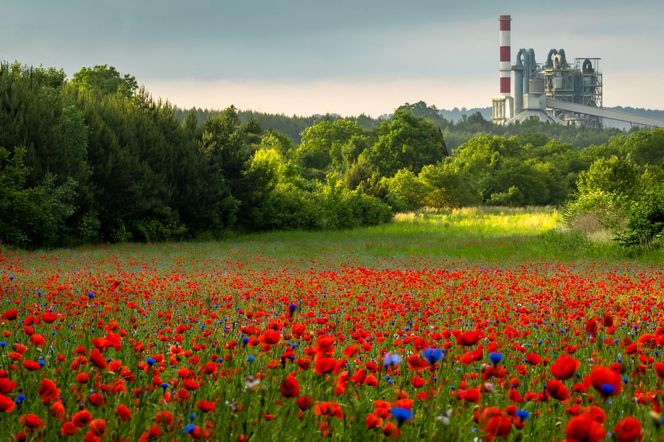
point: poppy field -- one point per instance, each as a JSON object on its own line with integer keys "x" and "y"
{"x": 235, "y": 342}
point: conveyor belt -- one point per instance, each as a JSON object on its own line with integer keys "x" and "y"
{"x": 604, "y": 113}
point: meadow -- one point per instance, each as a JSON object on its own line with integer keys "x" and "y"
{"x": 489, "y": 324}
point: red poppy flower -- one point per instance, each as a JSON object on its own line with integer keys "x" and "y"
{"x": 6, "y": 404}
{"x": 584, "y": 428}
{"x": 290, "y": 387}
{"x": 6, "y": 385}
{"x": 164, "y": 417}
{"x": 10, "y": 314}
{"x": 96, "y": 399}
{"x": 628, "y": 430}
{"x": 473, "y": 395}
{"x": 331, "y": 409}
{"x": 37, "y": 340}
{"x": 32, "y": 421}
{"x": 557, "y": 389}
{"x": 270, "y": 337}
{"x": 533, "y": 358}
{"x": 325, "y": 365}
{"x": 498, "y": 427}
{"x": 325, "y": 343}
{"x": 391, "y": 430}
{"x": 373, "y": 421}
{"x": 49, "y": 317}
{"x": 81, "y": 418}
{"x": 68, "y": 428}
{"x": 468, "y": 338}
{"x": 191, "y": 384}
{"x": 98, "y": 426}
{"x": 659, "y": 369}
{"x": 123, "y": 412}
{"x": 48, "y": 391}
{"x": 97, "y": 359}
{"x": 31, "y": 365}
{"x": 417, "y": 382}
{"x": 605, "y": 380}
{"x": 304, "y": 403}
{"x": 564, "y": 367}
{"x": 82, "y": 378}
{"x": 206, "y": 406}
{"x": 58, "y": 410}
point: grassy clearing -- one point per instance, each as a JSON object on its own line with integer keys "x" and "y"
{"x": 494, "y": 235}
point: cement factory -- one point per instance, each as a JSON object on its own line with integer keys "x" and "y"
{"x": 556, "y": 91}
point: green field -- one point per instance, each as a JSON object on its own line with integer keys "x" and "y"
{"x": 500, "y": 235}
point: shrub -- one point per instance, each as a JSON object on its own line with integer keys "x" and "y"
{"x": 645, "y": 221}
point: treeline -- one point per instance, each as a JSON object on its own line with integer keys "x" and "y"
{"x": 94, "y": 158}
{"x": 455, "y": 132}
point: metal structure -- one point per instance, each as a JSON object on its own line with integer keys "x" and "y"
{"x": 502, "y": 104}
{"x": 555, "y": 91}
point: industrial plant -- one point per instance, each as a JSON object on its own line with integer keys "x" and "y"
{"x": 556, "y": 91}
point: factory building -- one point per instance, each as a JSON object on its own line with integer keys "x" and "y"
{"x": 556, "y": 91}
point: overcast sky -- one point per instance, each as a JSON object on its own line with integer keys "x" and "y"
{"x": 341, "y": 56}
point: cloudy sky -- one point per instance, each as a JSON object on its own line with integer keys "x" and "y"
{"x": 341, "y": 56}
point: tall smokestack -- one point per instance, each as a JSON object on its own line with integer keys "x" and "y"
{"x": 505, "y": 54}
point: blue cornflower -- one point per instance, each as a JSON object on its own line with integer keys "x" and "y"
{"x": 522, "y": 414}
{"x": 607, "y": 389}
{"x": 164, "y": 385}
{"x": 91, "y": 295}
{"x": 3, "y": 344}
{"x": 291, "y": 308}
{"x": 41, "y": 362}
{"x": 150, "y": 360}
{"x": 495, "y": 358}
{"x": 189, "y": 428}
{"x": 391, "y": 359}
{"x": 245, "y": 340}
{"x": 19, "y": 399}
{"x": 191, "y": 416}
{"x": 402, "y": 414}
{"x": 433, "y": 355}
{"x": 251, "y": 358}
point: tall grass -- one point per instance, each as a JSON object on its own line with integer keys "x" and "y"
{"x": 467, "y": 235}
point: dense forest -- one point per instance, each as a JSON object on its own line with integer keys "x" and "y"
{"x": 94, "y": 158}
{"x": 456, "y": 131}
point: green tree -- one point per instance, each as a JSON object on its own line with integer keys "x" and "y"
{"x": 330, "y": 145}
{"x": 406, "y": 141}
{"x": 105, "y": 80}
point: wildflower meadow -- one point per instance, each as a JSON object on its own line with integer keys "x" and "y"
{"x": 222, "y": 342}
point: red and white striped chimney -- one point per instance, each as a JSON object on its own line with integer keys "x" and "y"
{"x": 505, "y": 54}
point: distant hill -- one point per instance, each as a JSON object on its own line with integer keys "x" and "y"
{"x": 457, "y": 124}
{"x": 455, "y": 115}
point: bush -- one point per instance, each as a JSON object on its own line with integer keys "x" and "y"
{"x": 645, "y": 221}
{"x": 598, "y": 205}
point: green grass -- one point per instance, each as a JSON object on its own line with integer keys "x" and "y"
{"x": 466, "y": 235}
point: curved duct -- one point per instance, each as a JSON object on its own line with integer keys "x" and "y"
{"x": 530, "y": 69}
{"x": 549, "y": 58}
{"x": 563, "y": 59}
{"x": 518, "y": 69}
{"x": 587, "y": 66}
{"x": 557, "y": 61}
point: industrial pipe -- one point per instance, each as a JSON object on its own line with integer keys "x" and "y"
{"x": 504, "y": 65}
